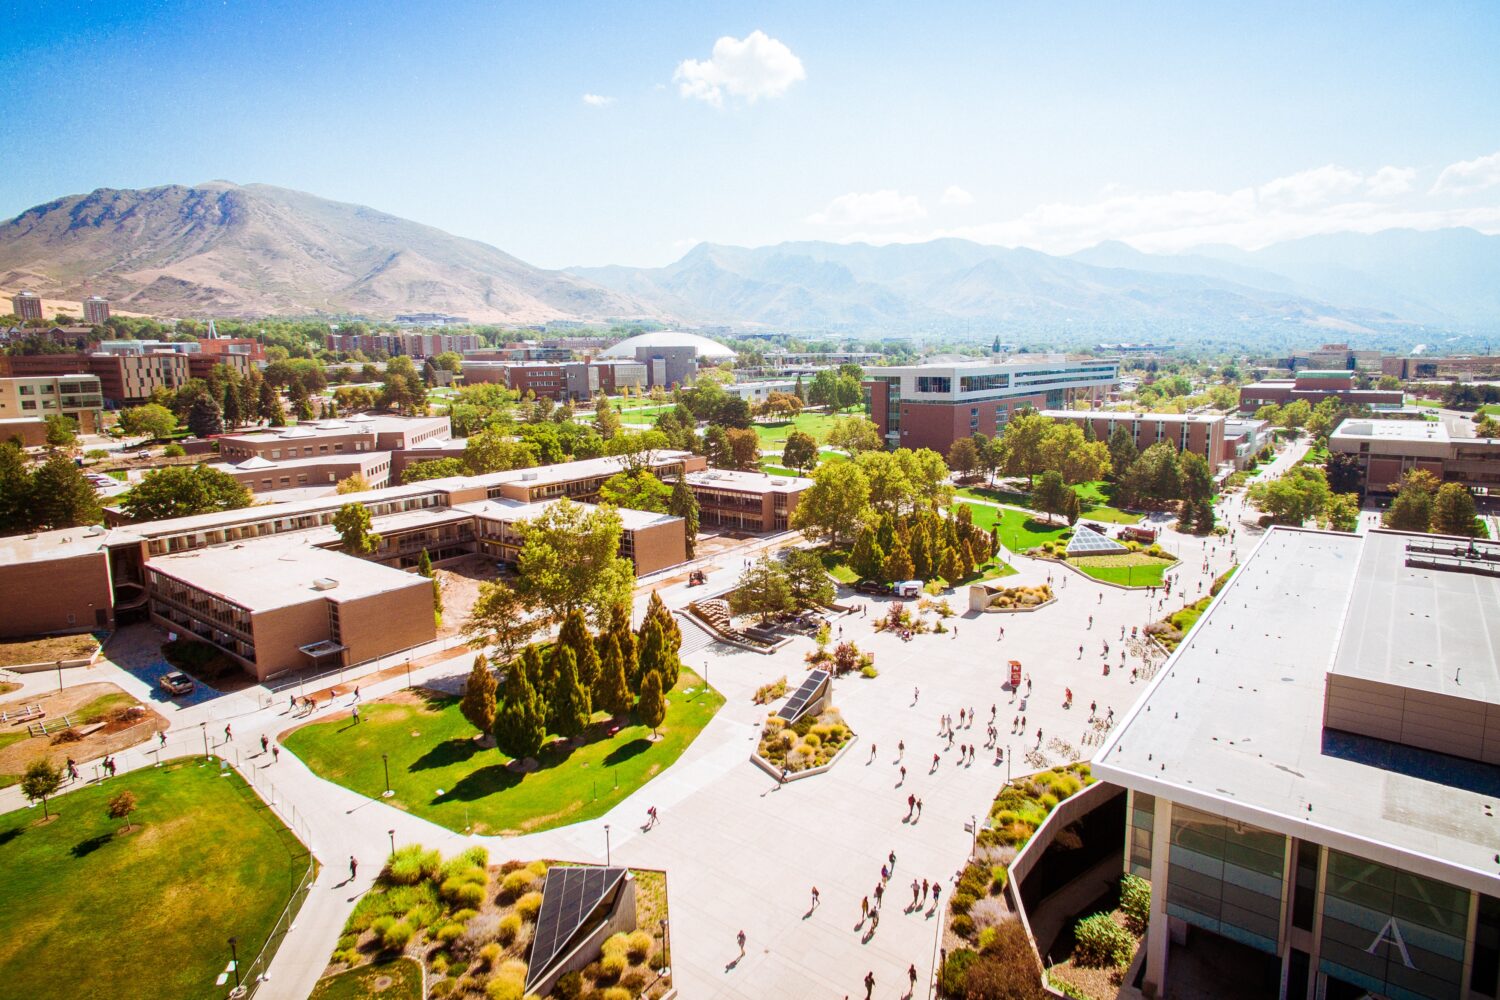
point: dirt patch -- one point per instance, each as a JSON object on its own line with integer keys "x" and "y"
{"x": 52, "y": 648}
{"x": 120, "y": 728}
{"x": 460, "y": 580}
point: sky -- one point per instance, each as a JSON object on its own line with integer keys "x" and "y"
{"x": 587, "y": 134}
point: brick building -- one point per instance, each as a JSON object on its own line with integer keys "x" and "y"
{"x": 1388, "y": 449}
{"x": 26, "y": 306}
{"x": 1315, "y": 385}
{"x": 95, "y": 310}
{"x": 933, "y": 405}
{"x": 746, "y": 501}
{"x": 40, "y": 396}
{"x": 1199, "y": 433}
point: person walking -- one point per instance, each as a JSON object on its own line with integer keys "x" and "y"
{"x": 873, "y": 749}
{"x": 916, "y": 695}
{"x": 915, "y": 886}
{"x": 291, "y": 703}
{"x": 265, "y": 744}
{"x": 869, "y": 985}
{"x": 356, "y": 692}
{"x": 227, "y": 734}
{"x": 161, "y": 736}
{"x": 355, "y": 713}
{"x": 816, "y": 899}
{"x": 275, "y": 753}
{"x": 911, "y": 977}
{"x": 353, "y": 867}
{"x": 936, "y": 889}
{"x": 903, "y": 774}
{"x": 740, "y": 937}
{"x": 864, "y": 907}
{"x": 919, "y": 808}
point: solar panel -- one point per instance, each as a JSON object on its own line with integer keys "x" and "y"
{"x": 1088, "y": 542}
{"x": 796, "y": 705}
{"x": 571, "y": 897}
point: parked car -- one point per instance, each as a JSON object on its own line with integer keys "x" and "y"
{"x": 872, "y": 587}
{"x": 176, "y": 683}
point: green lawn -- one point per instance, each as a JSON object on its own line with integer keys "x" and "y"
{"x": 769, "y": 468}
{"x": 1134, "y": 569}
{"x": 836, "y": 562}
{"x": 774, "y": 435}
{"x": 430, "y": 747}
{"x": 88, "y": 911}
{"x": 402, "y": 979}
{"x": 1096, "y": 500}
{"x": 1019, "y": 530}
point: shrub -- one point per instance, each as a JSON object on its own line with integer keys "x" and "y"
{"x": 506, "y": 986}
{"x": 1135, "y": 902}
{"x": 449, "y": 933}
{"x": 612, "y": 967}
{"x": 615, "y": 944}
{"x": 409, "y": 865}
{"x": 999, "y": 879}
{"x": 516, "y": 883}
{"x": 68, "y": 735}
{"x": 870, "y": 672}
{"x": 381, "y": 924}
{"x": 528, "y": 904}
{"x": 963, "y": 926}
{"x": 490, "y": 954}
{"x": 987, "y": 937}
{"x": 569, "y": 986}
{"x": 634, "y": 982}
{"x": 1005, "y": 968}
{"x": 951, "y": 976}
{"x": 640, "y": 945}
{"x": 441, "y": 988}
{"x": 463, "y": 916}
{"x": 1102, "y": 942}
{"x": 347, "y": 941}
{"x": 618, "y": 993}
{"x": 397, "y": 936}
{"x": 467, "y": 894}
{"x": 510, "y": 926}
{"x": 477, "y": 856}
{"x": 174, "y": 451}
{"x": 538, "y": 868}
{"x": 439, "y": 965}
{"x": 961, "y": 903}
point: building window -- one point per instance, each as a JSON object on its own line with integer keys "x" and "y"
{"x": 1225, "y": 876}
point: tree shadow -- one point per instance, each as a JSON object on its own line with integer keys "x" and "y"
{"x": 7, "y": 836}
{"x": 483, "y": 782}
{"x": 626, "y": 751}
{"x": 84, "y": 848}
{"x": 454, "y": 751}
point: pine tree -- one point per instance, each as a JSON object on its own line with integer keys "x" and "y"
{"x": 60, "y": 496}
{"x": 652, "y": 707}
{"x": 653, "y": 654}
{"x": 921, "y": 555}
{"x": 684, "y": 504}
{"x": 205, "y": 419}
{"x": 520, "y": 724}
{"x": 269, "y": 406}
{"x": 863, "y": 557}
{"x": 885, "y": 533}
{"x": 657, "y": 611}
{"x": 568, "y": 712}
{"x": 424, "y": 567}
{"x": 898, "y": 565}
{"x": 231, "y": 406}
{"x": 619, "y": 627}
{"x": 952, "y": 568}
{"x": 612, "y": 689}
{"x": 478, "y": 705}
{"x": 575, "y": 635}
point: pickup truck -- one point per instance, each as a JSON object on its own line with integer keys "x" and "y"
{"x": 176, "y": 683}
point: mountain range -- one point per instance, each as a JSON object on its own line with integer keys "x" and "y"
{"x": 225, "y": 249}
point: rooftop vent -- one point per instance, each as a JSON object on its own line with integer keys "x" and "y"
{"x": 325, "y": 583}
{"x": 527, "y": 477}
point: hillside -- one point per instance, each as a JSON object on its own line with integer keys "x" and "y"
{"x": 225, "y": 249}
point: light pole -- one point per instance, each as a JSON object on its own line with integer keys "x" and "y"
{"x": 606, "y": 846}
{"x": 974, "y": 839}
{"x": 1007, "y": 763}
{"x": 59, "y": 677}
{"x": 385, "y": 761}
{"x": 408, "y": 671}
{"x": 392, "y": 834}
{"x": 234, "y": 962}
{"x": 204, "y": 727}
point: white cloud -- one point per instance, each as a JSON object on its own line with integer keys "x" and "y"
{"x": 1310, "y": 187}
{"x": 750, "y": 68}
{"x": 1468, "y": 176}
{"x": 1387, "y": 182}
{"x": 597, "y": 100}
{"x": 870, "y": 208}
{"x": 955, "y": 195}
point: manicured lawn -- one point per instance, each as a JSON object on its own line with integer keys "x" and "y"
{"x": 774, "y": 435}
{"x": 776, "y": 470}
{"x": 1096, "y": 500}
{"x": 431, "y": 749}
{"x": 88, "y": 911}
{"x": 1134, "y": 569}
{"x": 401, "y": 979}
{"x": 1019, "y": 530}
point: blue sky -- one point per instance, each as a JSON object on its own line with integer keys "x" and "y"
{"x": 1052, "y": 125}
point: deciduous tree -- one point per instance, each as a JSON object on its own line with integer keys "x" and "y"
{"x": 683, "y": 503}
{"x": 41, "y": 780}
{"x": 183, "y": 491}
{"x": 836, "y": 504}
{"x": 570, "y": 559}
{"x": 352, "y": 522}
{"x": 1453, "y": 511}
{"x": 801, "y": 452}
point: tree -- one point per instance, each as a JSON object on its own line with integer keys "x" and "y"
{"x": 637, "y": 491}
{"x": 807, "y": 579}
{"x": 1154, "y": 476}
{"x": 15, "y": 490}
{"x": 836, "y": 504}
{"x": 824, "y": 390}
{"x": 801, "y": 452}
{"x": 352, "y": 522}
{"x": 683, "y": 503}
{"x": 652, "y": 707}
{"x": 867, "y": 559}
{"x": 1486, "y": 426}
{"x": 233, "y": 413}
{"x": 575, "y": 635}
{"x": 570, "y": 559}
{"x": 502, "y": 619}
{"x": 963, "y": 457}
{"x": 62, "y": 430}
{"x": 606, "y": 420}
{"x": 478, "y": 705}
{"x": 763, "y": 590}
{"x": 636, "y": 451}
{"x": 658, "y": 655}
{"x": 1412, "y": 508}
{"x": 121, "y": 806}
{"x": 60, "y": 496}
{"x": 1341, "y": 512}
{"x": 204, "y": 418}
{"x": 855, "y": 435}
{"x": 1025, "y": 434}
{"x": 1293, "y": 498}
{"x": 182, "y": 491}
{"x": 434, "y": 468}
{"x": 1051, "y": 494}
{"x": 744, "y": 449}
{"x": 1343, "y": 472}
{"x": 41, "y": 780}
{"x": 950, "y": 565}
{"x": 520, "y": 721}
{"x": 612, "y": 690}
{"x": 268, "y": 406}
{"x": 1064, "y": 449}
{"x": 491, "y": 450}
{"x": 1197, "y": 478}
{"x": 716, "y": 447}
{"x": 898, "y": 565}
{"x": 656, "y": 610}
{"x": 151, "y": 420}
{"x": 568, "y": 709}
{"x": 1453, "y": 511}
{"x": 424, "y": 567}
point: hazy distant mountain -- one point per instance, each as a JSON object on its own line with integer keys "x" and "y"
{"x": 259, "y": 250}
{"x": 947, "y": 282}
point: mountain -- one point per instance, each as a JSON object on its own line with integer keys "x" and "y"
{"x": 950, "y": 283}
{"x": 226, "y": 249}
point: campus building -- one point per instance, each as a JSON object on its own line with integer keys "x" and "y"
{"x": 933, "y": 405}
{"x": 95, "y": 310}
{"x": 671, "y": 358}
{"x": 415, "y": 345}
{"x": 745, "y": 501}
{"x": 124, "y": 378}
{"x": 40, "y": 396}
{"x": 1461, "y": 368}
{"x": 1316, "y": 385}
{"x": 1312, "y": 775}
{"x": 26, "y": 306}
{"x": 1388, "y": 449}
{"x": 322, "y": 453}
{"x": 1199, "y": 433}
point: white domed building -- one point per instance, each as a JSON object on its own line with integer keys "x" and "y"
{"x": 671, "y": 357}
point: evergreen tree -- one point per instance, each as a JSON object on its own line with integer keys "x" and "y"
{"x": 657, "y": 611}
{"x": 921, "y": 556}
{"x": 15, "y": 490}
{"x": 1122, "y": 450}
{"x": 424, "y": 567}
{"x": 269, "y": 405}
{"x": 619, "y": 627}
{"x": 612, "y": 689}
{"x": 952, "y": 566}
{"x": 606, "y": 420}
{"x": 898, "y": 565}
{"x": 652, "y": 707}
{"x": 543, "y": 673}
{"x": 478, "y": 705}
{"x": 60, "y": 496}
{"x": 885, "y": 533}
{"x": 205, "y": 418}
{"x": 568, "y": 711}
{"x": 520, "y": 723}
{"x": 1088, "y": 431}
{"x": 865, "y": 558}
{"x": 966, "y": 560}
{"x": 575, "y": 635}
{"x": 684, "y": 504}
{"x": 653, "y": 654}
{"x": 231, "y": 406}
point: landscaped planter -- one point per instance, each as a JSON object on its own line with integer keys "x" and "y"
{"x": 799, "y": 750}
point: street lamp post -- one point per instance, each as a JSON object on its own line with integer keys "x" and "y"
{"x": 204, "y": 727}
{"x": 408, "y": 671}
{"x": 606, "y": 846}
{"x": 1007, "y": 763}
{"x": 392, "y": 834}
{"x": 234, "y": 962}
{"x": 974, "y": 839}
{"x": 385, "y": 761}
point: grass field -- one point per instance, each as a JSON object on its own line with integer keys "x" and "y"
{"x": 439, "y": 773}
{"x": 1134, "y": 569}
{"x": 1096, "y": 500}
{"x": 88, "y": 911}
{"x": 1019, "y": 530}
{"x": 774, "y": 435}
{"x": 401, "y": 978}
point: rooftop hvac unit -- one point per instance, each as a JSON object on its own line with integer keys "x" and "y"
{"x": 325, "y": 583}
{"x": 527, "y": 477}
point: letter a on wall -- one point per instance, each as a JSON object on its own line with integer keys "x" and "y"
{"x": 1391, "y": 934}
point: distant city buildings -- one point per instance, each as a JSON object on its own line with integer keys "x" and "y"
{"x": 1316, "y": 385}
{"x": 26, "y": 306}
{"x": 671, "y": 358}
{"x": 413, "y": 345}
{"x": 95, "y": 310}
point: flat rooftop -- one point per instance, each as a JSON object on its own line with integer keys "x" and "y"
{"x": 1232, "y": 724}
{"x": 62, "y": 543}
{"x": 502, "y": 509}
{"x": 278, "y": 572}
{"x": 359, "y": 423}
{"x": 1393, "y": 430}
{"x": 757, "y": 482}
{"x": 1166, "y": 418}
